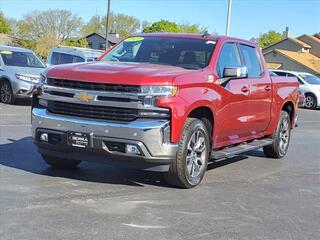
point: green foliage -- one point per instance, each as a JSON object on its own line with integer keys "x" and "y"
{"x": 4, "y": 26}
{"x": 120, "y": 23}
{"x": 268, "y": 38}
{"x": 162, "y": 26}
{"x": 191, "y": 28}
{"x": 62, "y": 24}
{"x": 76, "y": 43}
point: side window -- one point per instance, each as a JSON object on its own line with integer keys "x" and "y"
{"x": 251, "y": 60}
{"x": 229, "y": 57}
{"x": 65, "y": 58}
{"x": 292, "y": 75}
{"x": 54, "y": 58}
{"x": 281, "y": 74}
{"x": 77, "y": 59}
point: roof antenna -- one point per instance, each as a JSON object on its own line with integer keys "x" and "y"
{"x": 205, "y": 34}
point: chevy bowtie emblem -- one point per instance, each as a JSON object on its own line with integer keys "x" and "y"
{"x": 83, "y": 97}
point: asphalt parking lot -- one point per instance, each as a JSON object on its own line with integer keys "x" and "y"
{"x": 246, "y": 197}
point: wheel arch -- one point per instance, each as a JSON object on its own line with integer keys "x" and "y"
{"x": 206, "y": 114}
{"x": 289, "y": 108}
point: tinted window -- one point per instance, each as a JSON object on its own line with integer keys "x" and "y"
{"x": 77, "y": 59}
{"x": 65, "y": 58}
{"x": 251, "y": 60}
{"x": 180, "y": 52}
{"x": 281, "y": 74}
{"x": 55, "y": 58}
{"x": 228, "y": 58}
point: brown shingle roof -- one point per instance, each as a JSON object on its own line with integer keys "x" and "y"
{"x": 303, "y": 44}
{"x": 307, "y": 59}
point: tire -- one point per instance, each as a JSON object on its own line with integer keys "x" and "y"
{"x": 281, "y": 138}
{"x": 6, "y": 93}
{"x": 310, "y": 101}
{"x": 61, "y": 163}
{"x": 190, "y": 164}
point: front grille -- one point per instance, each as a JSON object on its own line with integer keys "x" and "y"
{"x": 93, "y": 86}
{"x": 91, "y": 111}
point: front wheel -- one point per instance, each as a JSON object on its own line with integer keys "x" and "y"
{"x": 60, "y": 163}
{"x": 6, "y": 93}
{"x": 281, "y": 138}
{"x": 190, "y": 165}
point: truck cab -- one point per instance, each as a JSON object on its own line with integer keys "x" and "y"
{"x": 164, "y": 102}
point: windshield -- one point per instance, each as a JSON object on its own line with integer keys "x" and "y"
{"x": 180, "y": 52}
{"x": 311, "y": 79}
{"x": 21, "y": 59}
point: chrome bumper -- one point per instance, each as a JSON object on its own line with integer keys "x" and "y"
{"x": 147, "y": 134}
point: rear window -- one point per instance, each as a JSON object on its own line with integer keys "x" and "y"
{"x": 63, "y": 58}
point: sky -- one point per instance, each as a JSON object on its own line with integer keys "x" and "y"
{"x": 249, "y": 18}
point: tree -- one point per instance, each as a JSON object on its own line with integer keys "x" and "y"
{"x": 162, "y": 26}
{"x": 268, "y": 38}
{"x": 4, "y": 26}
{"x": 119, "y": 23}
{"x": 61, "y": 24}
{"x": 191, "y": 28}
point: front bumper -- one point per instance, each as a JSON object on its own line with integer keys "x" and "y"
{"x": 22, "y": 89}
{"x": 148, "y": 135}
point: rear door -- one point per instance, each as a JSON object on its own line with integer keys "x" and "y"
{"x": 259, "y": 111}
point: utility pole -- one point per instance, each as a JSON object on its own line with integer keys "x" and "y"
{"x": 107, "y": 24}
{"x": 228, "y": 18}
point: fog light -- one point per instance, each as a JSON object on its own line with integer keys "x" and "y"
{"x": 132, "y": 149}
{"x": 44, "y": 137}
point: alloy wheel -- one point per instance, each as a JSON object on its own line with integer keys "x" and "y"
{"x": 196, "y": 154}
{"x": 284, "y": 135}
{"x": 309, "y": 101}
{"x": 5, "y": 93}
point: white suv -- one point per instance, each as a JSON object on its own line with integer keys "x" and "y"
{"x": 309, "y": 85}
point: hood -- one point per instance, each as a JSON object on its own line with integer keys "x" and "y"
{"x": 118, "y": 73}
{"x": 25, "y": 70}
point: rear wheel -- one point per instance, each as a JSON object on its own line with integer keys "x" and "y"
{"x": 6, "y": 94}
{"x": 189, "y": 167}
{"x": 60, "y": 163}
{"x": 310, "y": 101}
{"x": 281, "y": 138}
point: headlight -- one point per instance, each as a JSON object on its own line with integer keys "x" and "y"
{"x": 165, "y": 91}
{"x": 27, "y": 78}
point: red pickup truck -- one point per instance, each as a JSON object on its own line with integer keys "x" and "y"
{"x": 164, "y": 102}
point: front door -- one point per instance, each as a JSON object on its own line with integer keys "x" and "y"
{"x": 259, "y": 111}
{"x": 231, "y": 123}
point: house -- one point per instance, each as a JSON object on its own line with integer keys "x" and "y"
{"x": 295, "y": 54}
{"x": 98, "y": 41}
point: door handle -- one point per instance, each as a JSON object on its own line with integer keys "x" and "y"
{"x": 267, "y": 88}
{"x": 244, "y": 89}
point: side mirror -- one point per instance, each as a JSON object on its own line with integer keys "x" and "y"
{"x": 233, "y": 73}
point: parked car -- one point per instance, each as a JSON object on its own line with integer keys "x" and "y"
{"x": 165, "y": 102}
{"x": 309, "y": 85}
{"x": 66, "y": 54}
{"x": 19, "y": 72}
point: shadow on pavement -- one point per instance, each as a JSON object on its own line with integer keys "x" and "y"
{"x": 22, "y": 154}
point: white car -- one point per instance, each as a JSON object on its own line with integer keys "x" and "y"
{"x": 66, "y": 54}
{"x": 309, "y": 85}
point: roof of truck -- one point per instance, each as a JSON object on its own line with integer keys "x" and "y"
{"x": 192, "y": 36}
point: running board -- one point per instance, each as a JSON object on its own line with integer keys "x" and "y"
{"x": 228, "y": 152}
